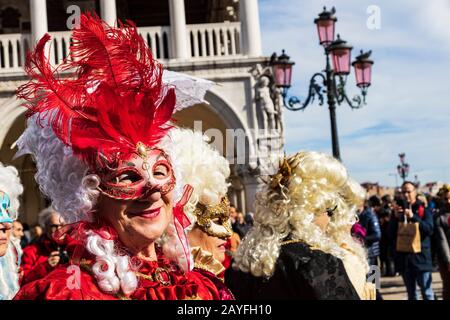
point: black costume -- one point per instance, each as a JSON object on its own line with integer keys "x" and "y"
{"x": 300, "y": 273}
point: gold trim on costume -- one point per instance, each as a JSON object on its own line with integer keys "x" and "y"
{"x": 299, "y": 241}
{"x": 194, "y": 297}
{"x": 157, "y": 276}
{"x": 206, "y": 261}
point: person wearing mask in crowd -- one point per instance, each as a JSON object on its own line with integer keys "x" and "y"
{"x": 208, "y": 208}
{"x": 106, "y": 160}
{"x": 442, "y": 240}
{"x": 10, "y": 191}
{"x": 44, "y": 254}
{"x": 415, "y": 268}
{"x": 290, "y": 252}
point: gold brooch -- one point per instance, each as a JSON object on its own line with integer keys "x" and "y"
{"x": 159, "y": 276}
{"x": 141, "y": 150}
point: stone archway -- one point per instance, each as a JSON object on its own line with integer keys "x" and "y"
{"x": 13, "y": 125}
{"x": 217, "y": 120}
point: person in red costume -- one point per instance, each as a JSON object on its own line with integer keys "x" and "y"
{"x": 101, "y": 143}
{"x": 208, "y": 208}
{"x": 42, "y": 256}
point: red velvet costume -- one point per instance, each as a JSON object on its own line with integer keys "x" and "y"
{"x": 158, "y": 280}
{"x": 113, "y": 109}
{"x": 35, "y": 259}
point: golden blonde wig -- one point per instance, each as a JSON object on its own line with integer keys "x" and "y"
{"x": 306, "y": 185}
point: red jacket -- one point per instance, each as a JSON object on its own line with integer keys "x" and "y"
{"x": 35, "y": 259}
{"x": 71, "y": 282}
{"x": 157, "y": 280}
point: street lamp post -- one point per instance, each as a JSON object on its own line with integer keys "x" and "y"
{"x": 332, "y": 80}
{"x": 403, "y": 167}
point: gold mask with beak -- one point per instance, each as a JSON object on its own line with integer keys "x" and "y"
{"x": 215, "y": 219}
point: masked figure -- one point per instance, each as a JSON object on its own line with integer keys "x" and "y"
{"x": 103, "y": 154}
{"x": 302, "y": 223}
{"x": 208, "y": 209}
{"x": 10, "y": 190}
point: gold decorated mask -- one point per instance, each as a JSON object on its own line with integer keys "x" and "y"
{"x": 215, "y": 219}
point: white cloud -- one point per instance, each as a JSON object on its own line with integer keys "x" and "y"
{"x": 409, "y": 91}
{"x": 435, "y": 18}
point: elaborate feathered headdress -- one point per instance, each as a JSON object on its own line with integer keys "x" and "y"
{"x": 115, "y": 98}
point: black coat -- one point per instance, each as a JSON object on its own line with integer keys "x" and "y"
{"x": 369, "y": 220}
{"x": 300, "y": 273}
{"x": 421, "y": 261}
{"x": 442, "y": 235}
{"x": 241, "y": 229}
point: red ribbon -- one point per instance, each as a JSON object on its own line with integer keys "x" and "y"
{"x": 183, "y": 222}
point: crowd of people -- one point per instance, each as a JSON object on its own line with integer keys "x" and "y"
{"x": 139, "y": 206}
{"x": 429, "y": 214}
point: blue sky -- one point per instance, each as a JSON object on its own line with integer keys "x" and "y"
{"x": 408, "y": 106}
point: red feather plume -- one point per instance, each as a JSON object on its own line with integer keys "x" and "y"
{"x": 115, "y": 99}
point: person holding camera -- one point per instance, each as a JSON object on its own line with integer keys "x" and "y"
{"x": 414, "y": 265}
{"x": 45, "y": 254}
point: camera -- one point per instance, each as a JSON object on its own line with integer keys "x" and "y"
{"x": 63, "y": 256}
{"x": 402, "y": 203}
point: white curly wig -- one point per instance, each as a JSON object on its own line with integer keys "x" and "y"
{"x": 63, "y": 178}
{"x": 10, "y": 184}
{"x": 317, "y": 182}
{"x": 201, "y": 166}
{"x": 60, "y": 175}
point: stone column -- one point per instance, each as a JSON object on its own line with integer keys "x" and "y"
{"x": 108, "y": 12}
{"x": 38, "y": 15}
{"x": 250, "y": 29}
{"x": 178, "y": 32}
